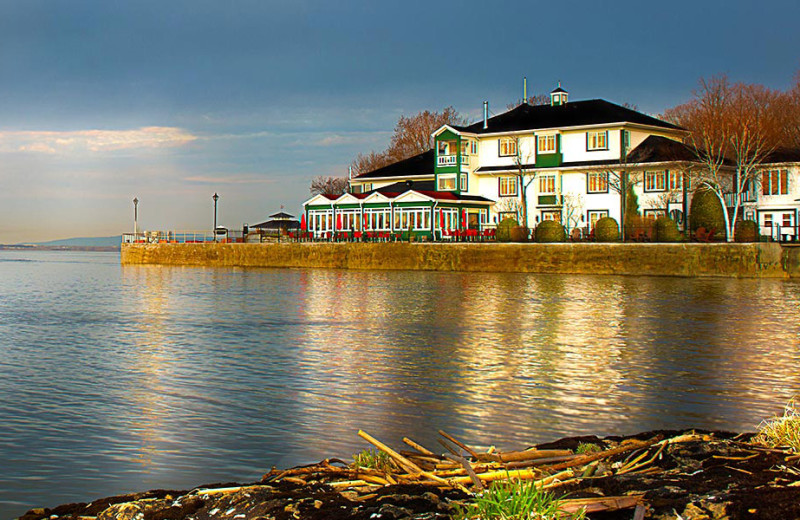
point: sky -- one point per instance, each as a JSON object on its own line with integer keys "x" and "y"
{"x": 171, "y": 101}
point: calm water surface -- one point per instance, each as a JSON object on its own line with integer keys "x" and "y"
{"x": 117, "y": 379}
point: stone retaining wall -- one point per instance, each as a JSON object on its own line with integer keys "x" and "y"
{"x": 766, "y": 260}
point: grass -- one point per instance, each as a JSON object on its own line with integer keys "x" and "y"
{"x": 514, "y": 500}
{"x": 586, "y": 448}
{"x": 781, "y": 431}
{"x": 373, "y": 460}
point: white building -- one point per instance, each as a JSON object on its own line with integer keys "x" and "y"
{"x": 569, "y": 161}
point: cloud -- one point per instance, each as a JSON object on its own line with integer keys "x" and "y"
{"x": 94, "y": 141}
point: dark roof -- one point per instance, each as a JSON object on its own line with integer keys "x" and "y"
{"x": 780, "y": 155}
{"x": 421, "y": 164}
{"x": 282, "y": 216}
{"x": 574, "y": 113}
{"x": 427, "y": 188}
{"x": 278, "y": 224}
{"x": 661, "y": 149}
{"x": 402, "y": 187}
{"x": 557, "y": 90}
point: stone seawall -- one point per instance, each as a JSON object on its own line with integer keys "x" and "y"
{"x": 766, "y": 260}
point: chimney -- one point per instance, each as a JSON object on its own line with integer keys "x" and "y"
{"x": 524, "y": 89}
{"x": 485, "y": 115}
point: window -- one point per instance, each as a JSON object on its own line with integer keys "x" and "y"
{"x": 768, "y": 220}
{"x": 547, "y": 184}
{"x": 507, "y": 186}
{"x": 551, "y": 215}
{"x": 597, "y": 182}
{"x": 655, "y": 181}
{"x": 546, "y": 144}
{"x": 463, "y": 184}
{"x": 594, "y": 215}
{"x": 787, "y": 220}
{"x": 775, "y": 182}
{"x": 474, "y": 147}
{"x": 446, "y": 183}
{"x": 508, "y": 147}
{"x": 655, "y": 213}
{"x": 597, "y": 140}
{"x": 674, "y": 180}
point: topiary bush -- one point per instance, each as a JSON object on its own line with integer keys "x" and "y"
{"x": 519, "y": 234}
{"x": 550, "y": 231}
{"x": 504, "y": 229}
{"x": 706, "y": 211}
{"x": 606, "y": 230}
{"x": 746, "y": 231}
{"x": 666, "y": 230}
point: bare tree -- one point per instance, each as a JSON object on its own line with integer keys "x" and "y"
{"x": 572, "y": 207}
{"x": 524, "y": 174}
{"x": 536, "y": 99}
{"x": 368, "y": 162}
{"x": 412, "y": 136}
{"x": 733, "y": 129}
{"x": 329, "y": 185}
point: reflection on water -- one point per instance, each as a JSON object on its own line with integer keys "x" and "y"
{"x": 118, "y": 379}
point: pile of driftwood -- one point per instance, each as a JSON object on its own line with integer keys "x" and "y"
{"x": 470, "y": 470}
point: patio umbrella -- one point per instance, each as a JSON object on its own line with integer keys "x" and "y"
{"x": 303, "y": 222}
{"x": 366, "y": 221}
{"x": 464, "y": 219}
{"x": 338, "y": 222}
{"x": 441, "y": 218}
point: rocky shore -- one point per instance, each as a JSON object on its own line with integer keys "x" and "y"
{"x": 697, "y": 475}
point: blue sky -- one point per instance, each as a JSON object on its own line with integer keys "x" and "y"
{"x": 171, "y": 101}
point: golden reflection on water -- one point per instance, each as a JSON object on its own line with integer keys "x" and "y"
{"x": 150, "y": 362}
{"x": 545, "y": 352}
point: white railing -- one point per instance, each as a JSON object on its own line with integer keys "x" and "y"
{"x": 447, "y": 160}
{"x": 180, "y": 237}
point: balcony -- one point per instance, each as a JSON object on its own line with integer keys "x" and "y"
{"x": 452, "y": 160}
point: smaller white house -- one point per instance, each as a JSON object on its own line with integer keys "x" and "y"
{"x": 777, "y": 199}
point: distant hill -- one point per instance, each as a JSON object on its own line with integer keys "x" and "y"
{"x": 84, "y": 242}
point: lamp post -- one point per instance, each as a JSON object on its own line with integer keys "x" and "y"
{"x": 216, "y": 198}
{"x": 135, "y": 219}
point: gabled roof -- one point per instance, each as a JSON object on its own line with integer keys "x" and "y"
{"x": 417, "y": 165}
{"x": 574, "y": 113}
{"x": 782, "y": 155}
{"x": 281, "y": 216}
{"x": 661, "y": 149}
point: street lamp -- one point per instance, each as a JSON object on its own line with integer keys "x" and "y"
{"x": 216, "y": 198}
{"x": 135, "y": 219}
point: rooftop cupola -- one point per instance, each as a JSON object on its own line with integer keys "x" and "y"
{"x": 558, "y": 96}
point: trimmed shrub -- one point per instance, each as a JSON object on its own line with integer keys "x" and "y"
{"x": 706, "y": 211}
{"x": 550, "y": 231}
{"x": 606, "y": 230}
{"x": 504, "y": 229}
{"x": 746, "y": 231}
{"x": 666, "y": 230}
{"x": 632, "y": 216}
{"x": 519, "y": 234}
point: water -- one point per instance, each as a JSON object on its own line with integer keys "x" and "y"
{"x": 118, "y": 379}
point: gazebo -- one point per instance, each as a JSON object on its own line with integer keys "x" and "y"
{"x": 278, "y": 223}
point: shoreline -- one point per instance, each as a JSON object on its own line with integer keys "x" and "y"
{"x": 666, "y": 474}
{"x": 731, "y": 260}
